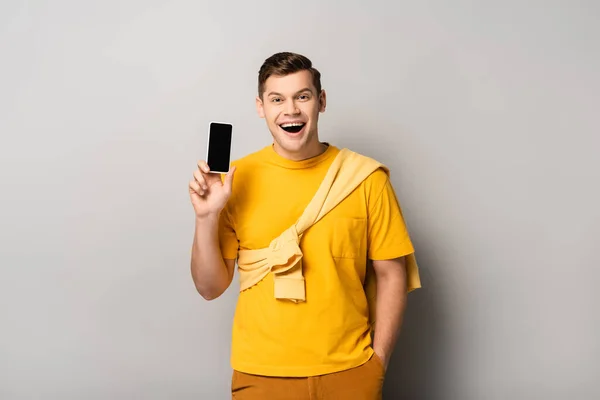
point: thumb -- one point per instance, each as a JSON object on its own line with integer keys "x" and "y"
{"x": 229, "y": 179}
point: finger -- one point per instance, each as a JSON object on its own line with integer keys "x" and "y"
{"x": 202, "y": 188}
{"x": 194, "y": 186}
{"x": 229, "y": 179}
{"x": 200, "y": 179}
{"x": 212, "y": 178}
{"x": 203, "y": 166}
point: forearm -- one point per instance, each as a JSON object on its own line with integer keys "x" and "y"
{"x": 209, "y": 271}
{"x": 391, "y": 304}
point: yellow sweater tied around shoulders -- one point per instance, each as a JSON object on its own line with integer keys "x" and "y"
{"x": 283, "y": 257}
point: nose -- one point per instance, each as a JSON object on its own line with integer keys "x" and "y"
{"x": 291, "y": 108}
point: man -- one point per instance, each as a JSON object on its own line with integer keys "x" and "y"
{"x": 319, "y": 346}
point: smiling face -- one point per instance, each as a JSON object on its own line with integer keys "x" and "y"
{"x": 291, "y": 105}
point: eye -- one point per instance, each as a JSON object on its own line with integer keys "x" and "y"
{"x": 304, "y": 97}
{"x": 275, "y": 100}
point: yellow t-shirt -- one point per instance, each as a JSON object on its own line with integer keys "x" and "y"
{"x": 330, "y": 331}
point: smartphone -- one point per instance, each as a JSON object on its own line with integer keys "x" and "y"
{"x": 218, "y": 150}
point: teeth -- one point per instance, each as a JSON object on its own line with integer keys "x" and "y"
{"x": 292, "y": 124}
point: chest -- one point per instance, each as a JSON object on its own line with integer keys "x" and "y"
{"x": 273, "y": 204}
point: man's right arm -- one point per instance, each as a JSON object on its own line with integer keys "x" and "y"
{"x": 212, "y": 274}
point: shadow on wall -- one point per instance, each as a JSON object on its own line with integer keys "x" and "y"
{"x": 415, "y": 369}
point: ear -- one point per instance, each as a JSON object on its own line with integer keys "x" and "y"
{"x": 322, "y": 101}
{"x": 259, "y": 107}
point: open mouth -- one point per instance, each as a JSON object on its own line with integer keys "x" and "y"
{"x": 293, "y": 127}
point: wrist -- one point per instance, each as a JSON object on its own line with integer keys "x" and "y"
{"x": 209, "y": 218}
{"x": 382, "y": 356}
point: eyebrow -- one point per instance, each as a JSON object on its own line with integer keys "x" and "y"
{"x": 298, "y": 92}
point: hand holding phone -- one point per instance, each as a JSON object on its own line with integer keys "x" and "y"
{"x": 209, "y": 190}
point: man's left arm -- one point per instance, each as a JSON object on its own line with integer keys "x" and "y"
{"x": 390, "y": 305}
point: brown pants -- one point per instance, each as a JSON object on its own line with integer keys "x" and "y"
{"x": 361, "y": 383}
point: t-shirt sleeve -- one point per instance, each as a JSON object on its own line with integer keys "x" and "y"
{"x": 388, "y": 235}
{"x": 228, "y": 240}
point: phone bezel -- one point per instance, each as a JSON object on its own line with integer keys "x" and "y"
{"x": 230, "y": 146}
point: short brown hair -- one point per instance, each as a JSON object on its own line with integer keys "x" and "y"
{"x": 285, "y": 63}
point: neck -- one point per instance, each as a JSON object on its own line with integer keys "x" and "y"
{"x": 315, "y": 149}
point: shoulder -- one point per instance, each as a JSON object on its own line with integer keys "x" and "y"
{"x": 251, "y": 159}
{"x": 248, "y": 169}
{"x": 378, "y": 179}
{"x": 249, "y": 165}
{"x": 376, "y": 184}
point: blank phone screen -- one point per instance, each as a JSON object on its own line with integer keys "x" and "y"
{"x": 219, "y": 147}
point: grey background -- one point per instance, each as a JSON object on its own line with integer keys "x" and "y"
{"x": 486, "y": 112}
